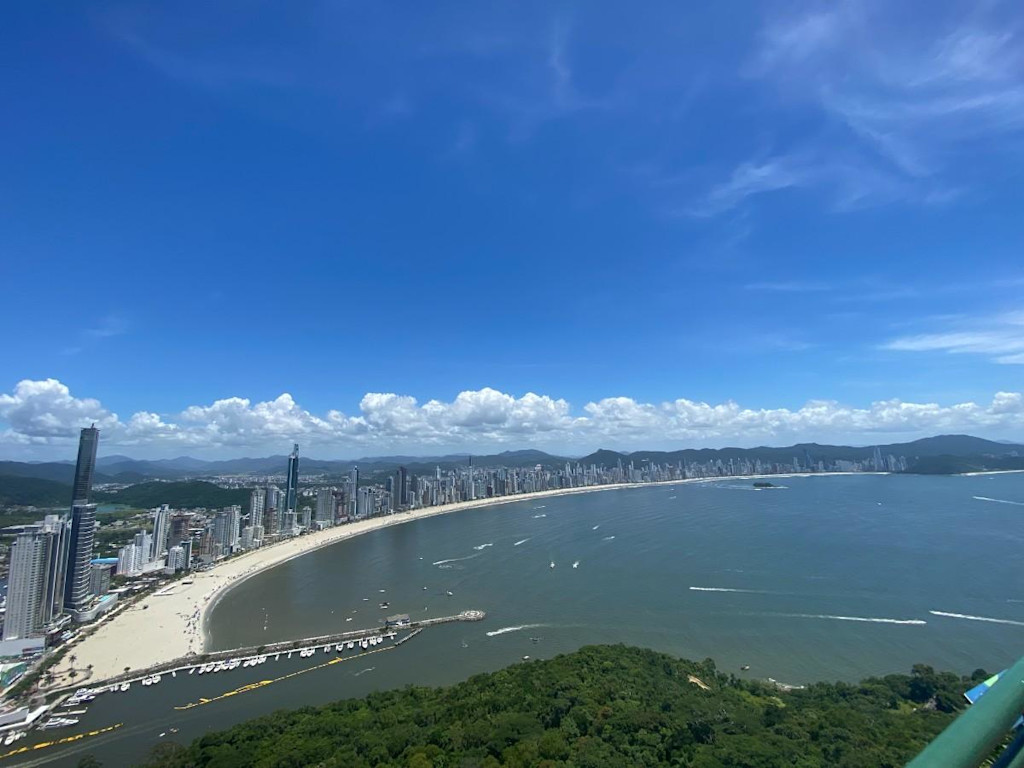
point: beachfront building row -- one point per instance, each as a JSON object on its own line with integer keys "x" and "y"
{"x": 50, "y": 580}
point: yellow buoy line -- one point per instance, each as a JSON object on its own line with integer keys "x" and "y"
{"x": 59, "y": 742}
{"x": 264, "y": 683}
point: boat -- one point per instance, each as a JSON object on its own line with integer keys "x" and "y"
{"x": 576, "y": 564}
{"x": 745, "y": 667}
{"x": 552, "y": 564}
{"x": 58, "y": 722}
{"x": 450, "y": 593}
{"x": 384, "y": 605}
{"x": 526, "y": 658}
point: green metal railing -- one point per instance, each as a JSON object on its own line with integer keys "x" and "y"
{"x": 970, "y": 739}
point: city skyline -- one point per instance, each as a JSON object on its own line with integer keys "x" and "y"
{"x": 786, "y": 206}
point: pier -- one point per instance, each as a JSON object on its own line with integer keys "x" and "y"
{"x": 192, "y": 661}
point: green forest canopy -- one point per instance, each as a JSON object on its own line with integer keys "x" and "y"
{"x": 602, "y": 706}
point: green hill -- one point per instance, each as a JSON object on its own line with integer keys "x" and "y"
{"x": 33, "y": 491}
{"x": 196, "y": 493}
{"x": 603, "y": 706}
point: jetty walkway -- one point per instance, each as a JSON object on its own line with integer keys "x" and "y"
{"x": 186, "y": 663}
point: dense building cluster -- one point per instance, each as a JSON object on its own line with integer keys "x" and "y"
{"x": 52, "y": 578}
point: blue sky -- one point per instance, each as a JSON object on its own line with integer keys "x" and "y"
{"x": 604, "y": 226}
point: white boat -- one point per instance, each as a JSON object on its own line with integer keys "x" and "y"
{"x": 576, "y": 564}
{"x": 552, "y": 564}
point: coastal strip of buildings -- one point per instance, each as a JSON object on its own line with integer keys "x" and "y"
{"x": 55, "y": 581}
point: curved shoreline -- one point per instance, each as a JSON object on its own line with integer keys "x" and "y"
{"x": 161, "y": 628}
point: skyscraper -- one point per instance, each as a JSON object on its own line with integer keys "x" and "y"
{"x": 292, "y": 487}
{"x": 88, "y": 442}
{"x": 78, "y": 570}
{"x": 403, "y": 487}
{"x": 354, "y": 490}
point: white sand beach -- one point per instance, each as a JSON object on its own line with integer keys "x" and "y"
{"x": 167, "y": 626}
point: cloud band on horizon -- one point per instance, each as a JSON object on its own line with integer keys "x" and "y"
{"x": 42, "y": 418}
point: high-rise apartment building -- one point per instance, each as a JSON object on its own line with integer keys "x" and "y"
{"x": 80, "y": 545}
{"x": 272, "y": 511}
{"x": 325, "y": 506}
{"x": 257, "y": 505}
{"x": 161, "y": 524}
{"x": 101, "y": 578}
{"x": 58, "y": 528}
{"x": 179, "y": 528}
{"x": 25, "y": 591}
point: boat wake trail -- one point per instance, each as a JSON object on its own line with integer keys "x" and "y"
{"x": 457, "y": 559}
{"x": 484, "y": 546}
{"x": 728, "y": 589}
{"x": 506, "y": 630}
{"x": 868, "y": 619}
{"x": 1000, "y": 501}
{"x": 535, "y": 517}
{"x": 977, "y": 618}
{"x": 521, "y": 541}
{"x": 368, "y": 669}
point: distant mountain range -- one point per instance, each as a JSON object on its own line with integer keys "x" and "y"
{"x": 46, "y": 483}
{"x": 976, "y": 449}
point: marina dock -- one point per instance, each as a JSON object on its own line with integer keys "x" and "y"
{"x": 188, "y": 664}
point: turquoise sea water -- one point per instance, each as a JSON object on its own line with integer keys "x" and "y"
{"x": 828, "y": 578}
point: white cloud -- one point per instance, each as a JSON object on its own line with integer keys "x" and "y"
{"x": 43, "y": 416}
{"x": 1001, "y": 338}
{"x": 906, "y": 113}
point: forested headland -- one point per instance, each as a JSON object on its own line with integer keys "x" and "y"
{"x": 602, "y": 706}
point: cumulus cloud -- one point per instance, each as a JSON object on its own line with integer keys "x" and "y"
{"x": 38, "y": 414}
